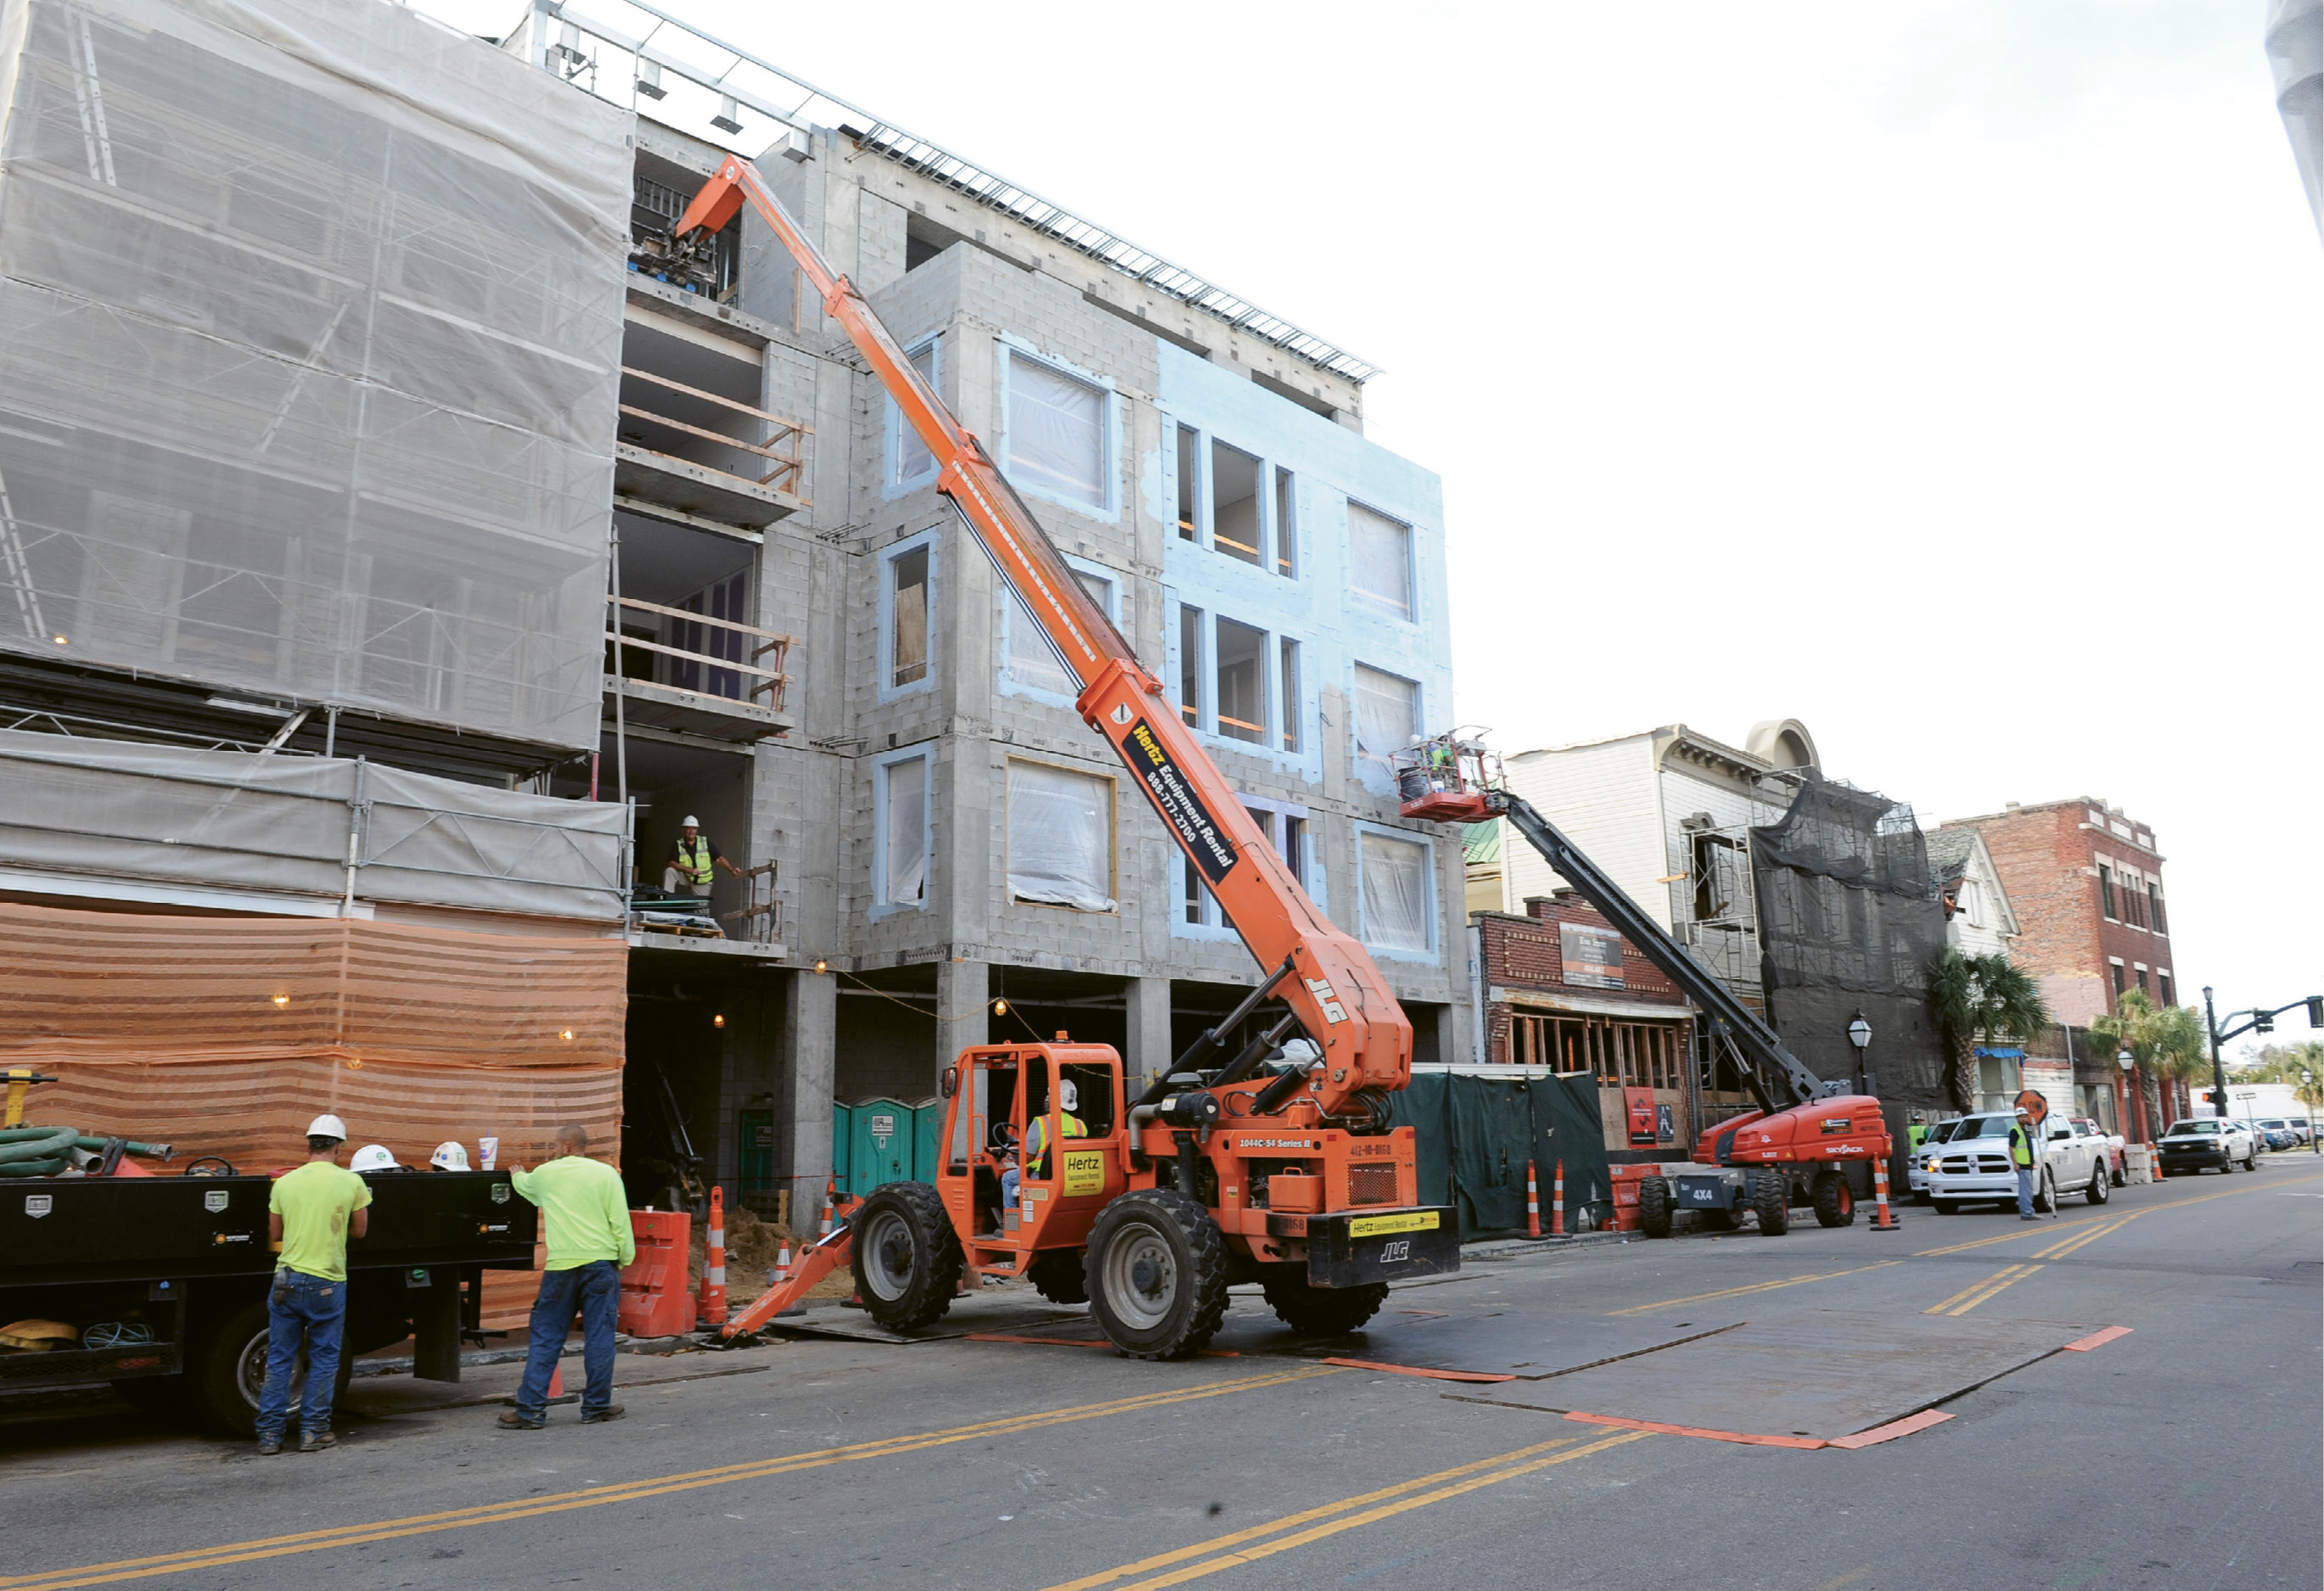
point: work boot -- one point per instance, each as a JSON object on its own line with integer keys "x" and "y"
{"x": 512, "y": 1420}
{"x": 610, "y": 1412}
{"x": 314, "y": 1441}
{"x": 269, "y": 1446}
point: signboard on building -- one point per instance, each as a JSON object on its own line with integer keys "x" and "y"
{"x": 1639, "y": 1106}
{"x": 1590, "y": 958}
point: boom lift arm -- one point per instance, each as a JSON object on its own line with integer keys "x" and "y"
{"x": 1333, "y": 987}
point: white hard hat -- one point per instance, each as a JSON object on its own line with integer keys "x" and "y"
{"x": 372, "y": 1157}
{"x": 1069, "y": 1096}
{"x": 328, "y": 1126}
{"x": 691, "y": 823}
{"x": 450, "y": 1155}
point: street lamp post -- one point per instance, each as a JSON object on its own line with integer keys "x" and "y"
{"x": 1859, "y": 1033}
{"x": 2218, "y": 1067}
{"x": 2127, "y": 1061}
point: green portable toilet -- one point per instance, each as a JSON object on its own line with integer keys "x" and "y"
{"x": 880, "y": 1144}
{"x": 928, "y": 1140}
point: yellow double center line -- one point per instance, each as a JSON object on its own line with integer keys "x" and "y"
{"x": 1238, "y": 1548}
{"x": 1976, "y": 1292}
{"x": 352, "y": 1535}
{"x": 1754, "y": 1287}
{"x": 2084, "y": 1238}
{"x": 2085, "y": 1222}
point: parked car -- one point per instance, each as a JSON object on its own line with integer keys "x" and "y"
{"x": 2278, "y": 1133}
{"x": 1973, "y": 1166}
{"x": 2114, "y": 1147}
{"x": 2201, "y": 1142}
{"x": 1916, "y": 1169}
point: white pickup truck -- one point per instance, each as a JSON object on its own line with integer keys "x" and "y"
{"x": 1972, "y": 1166}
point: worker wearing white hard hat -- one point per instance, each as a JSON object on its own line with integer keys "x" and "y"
{"x": 694, "y": 861}
{"x": 450, "y": 1155}
{"x": 311, "y": 1213}
{"x": 372, "y": 1157}
{"x": 1035, "y": 1157}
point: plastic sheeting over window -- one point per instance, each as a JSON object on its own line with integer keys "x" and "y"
{"x": 1031, "y": 661}
{"x": 910, "y": 458}
{"x": 904, "y": 822}
{"x": 1387, "y": 715}
{"x": 310, "y": 320}
{"x": 1379, "y": 560}
{"x": 1057, "y": 432}
{"x": 1060, "y": 837}
{"x": 1394, "y": 875}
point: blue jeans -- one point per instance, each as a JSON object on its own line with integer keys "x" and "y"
{"x": 308, "y": 1310}
{"x": 2026, "y": 1190}
{"x": 596, "y": 1290}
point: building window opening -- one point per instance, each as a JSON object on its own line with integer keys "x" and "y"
{"x": 1060, "y": 837}
{"x": 2105, "y": 892}
{"x": 2115, "y": 970}
{"x": 1057, "y": 432}
{"x": 1387, "y": 716}
{"x": 1189, "y": 483}
{"x": 1241, "y": 704}
{"x": 908, "y": 576}
{"x": 1234, "y": 503}
{"x": 1721, "y": 878}
{"x": 2170, "y": 995}
{"x": 909, "y": 460}
{"x": 1029, "y": 660}
{"x": 2154, "y": 907}
{"x": 1392, "y": 885}
{"x": 1286, "y": 545}
{"x": 1379, "y": 560}
{"x": 2140, "y": 973}
{"x": 1190, "y": 666}
{"x": 1290, "y": 682}
{"x": 903, "y": 826}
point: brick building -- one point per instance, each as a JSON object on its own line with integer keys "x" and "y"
{"x": 1559, "y": 989}
{"x": 2085, "y": 884}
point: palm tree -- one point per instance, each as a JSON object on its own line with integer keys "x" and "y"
{"x": 1978, "y": 999}
{"x": 2166, "y": 1041}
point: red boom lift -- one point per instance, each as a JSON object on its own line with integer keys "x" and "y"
{"x": 1278, "y": 1164}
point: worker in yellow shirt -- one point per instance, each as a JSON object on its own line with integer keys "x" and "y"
{"x": 312, "y": 1212}
{"x": 587, "y": 1218}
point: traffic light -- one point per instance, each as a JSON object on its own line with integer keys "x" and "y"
{"x": 2263, "y": 1022}
{"x": 2316, "y": 1010}
{"x": 2208, "y": 1096}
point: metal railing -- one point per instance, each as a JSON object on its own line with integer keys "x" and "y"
{"x": 762, "y": 915}
{"x": 771, "y": 682}
{"x": 782, "y": 447}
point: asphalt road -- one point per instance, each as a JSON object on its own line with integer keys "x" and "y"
{"x": 2184, "y": 1454}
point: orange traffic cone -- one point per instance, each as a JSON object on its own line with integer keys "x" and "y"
{"x": 1557, "y": 1203}
{"x": 711, "y": 1303}
{"x": 1883, "y": 1220}
{"x": 830, "y": 1198}
{"x": 1533, "y": 1203}
{"x": 783, "y": 1263}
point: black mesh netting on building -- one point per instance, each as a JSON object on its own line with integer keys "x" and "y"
{"x": 1848, "y": 923}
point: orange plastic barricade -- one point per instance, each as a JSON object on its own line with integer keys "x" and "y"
{"x": 655, "y": 1299}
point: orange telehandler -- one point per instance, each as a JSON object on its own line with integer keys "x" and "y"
{"x": 1277, "y": 1163}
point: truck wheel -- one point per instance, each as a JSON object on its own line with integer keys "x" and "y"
{"x": 906, "y": 1257}
{"x": 1157, "y": 1274}
{"x": 227, "y": 1376}
{"x": 1654, "y": 1207}
{"x": 1056, "y": 1273}
{"x": 1771, "y": 1196}
{"x": 1322, "y": 1311}
{"x": 2099, "y": 1191}
{"x": 1835, "y": 1200}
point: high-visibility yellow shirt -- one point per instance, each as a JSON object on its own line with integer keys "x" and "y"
{"x": 583, "y": 1208}
{"x": 2021, "y": 1146}
{"x": 1037, "y": 1140}
{"x": 316, "y": 1202}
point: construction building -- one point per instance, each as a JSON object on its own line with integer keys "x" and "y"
{"x": 390, "y": 449}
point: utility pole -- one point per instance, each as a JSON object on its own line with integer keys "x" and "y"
{"x": 2218, "y": 1067}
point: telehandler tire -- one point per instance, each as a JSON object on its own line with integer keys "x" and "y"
{"x": 1771, "y": 1196}
{"x": 1156, "y": 1269}
{"x": 906, "y": 1257}
{"x": 1835, "y": 1200}
{"x": 1322, "y": 1311}
{"x": 1056, "y": 1274}
{"x": 1654, "y": 1207}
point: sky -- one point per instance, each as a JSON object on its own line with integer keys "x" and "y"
{"x": 1942, "y": 373}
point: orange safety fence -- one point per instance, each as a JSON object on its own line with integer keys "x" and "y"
{"x": 226, "y": 1035}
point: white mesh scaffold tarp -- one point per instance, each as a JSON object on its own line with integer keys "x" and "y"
{"x": 311, "y": 319}
{"x": 250, "y": 821}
